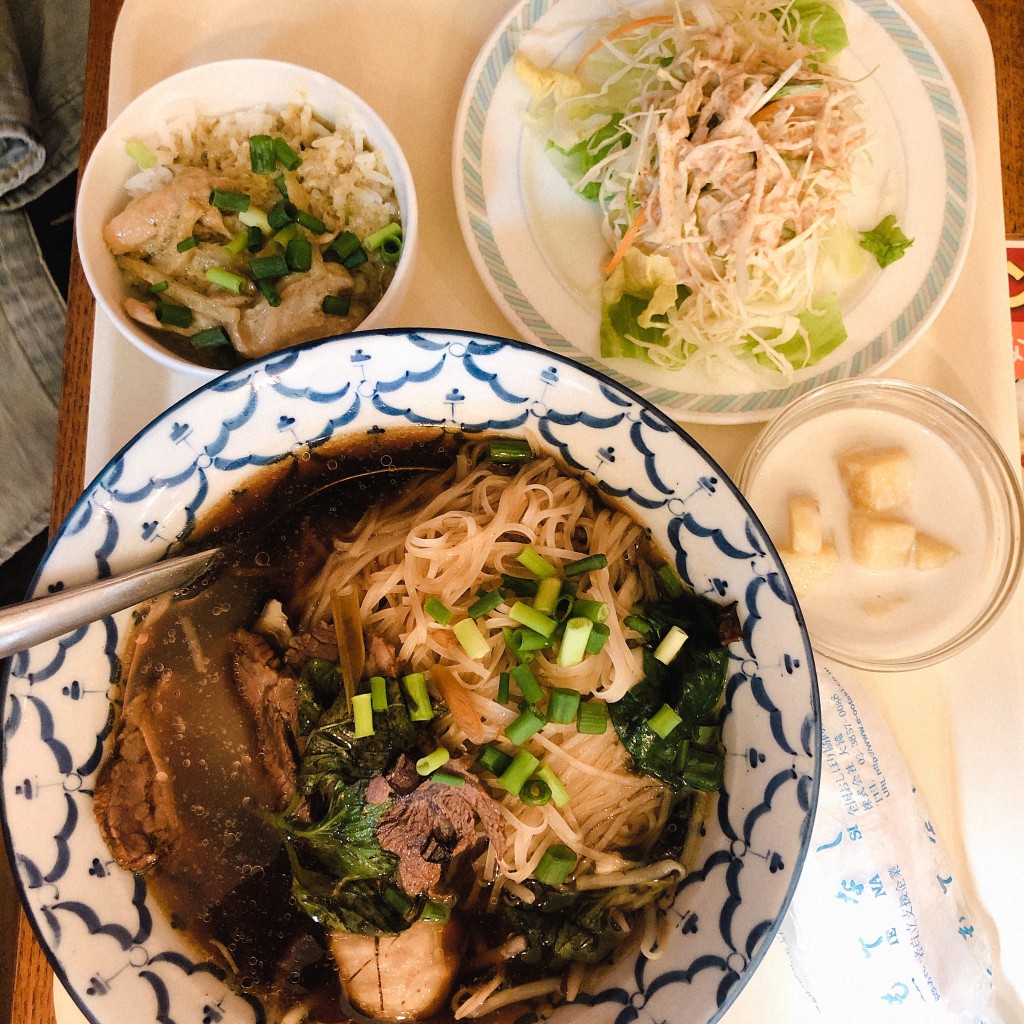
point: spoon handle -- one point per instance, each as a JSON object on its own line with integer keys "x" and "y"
{"x": 44, "y": 618}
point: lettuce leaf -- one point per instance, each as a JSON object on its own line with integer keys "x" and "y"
{"x": 820, "y": 25}
{"x": 825, "y": 332}
{"x": 886, "y": 241}
{"x": 574, "y": 162}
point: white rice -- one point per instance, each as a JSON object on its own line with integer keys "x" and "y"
{"x": 342, "y": 179}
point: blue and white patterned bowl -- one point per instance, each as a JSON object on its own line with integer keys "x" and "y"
{"x": 111, "y": 945}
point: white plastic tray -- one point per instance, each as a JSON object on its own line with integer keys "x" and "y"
{"x": 960, "y": 725}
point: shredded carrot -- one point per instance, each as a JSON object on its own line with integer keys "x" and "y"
{"x": 626, "y": 241}
{"x": 621, "y": 30}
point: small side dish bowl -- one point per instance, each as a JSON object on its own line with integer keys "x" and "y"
{"x": 921, "y": 520}
{"x": 108, "y": 938}
{"x": 159, "y": 125}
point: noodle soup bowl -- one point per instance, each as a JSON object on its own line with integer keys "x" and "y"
{"x": 110, "y": 943}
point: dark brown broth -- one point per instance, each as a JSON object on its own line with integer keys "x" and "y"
{"x": 228, "y": 885}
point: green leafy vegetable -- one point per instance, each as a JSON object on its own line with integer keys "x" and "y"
{"x": 690, "y": 685}
{"x": 575, "y": 161}
{"x": 817, "y": 23}
{"x": 886, "y": 241}
{"x": 334, "y": 753}
{"x": 566, "y": 925}
{"x": 620, "y": 325}
{"x": 825, "y": 332}
{"x": 344, "y": 839}
{"x": 317, "y": 689}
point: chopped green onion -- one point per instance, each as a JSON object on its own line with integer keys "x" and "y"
{"x": 211, "y": 337}
{"x": 254, "y": 217}
{"x": 189, "y": 242}
{"x": 311, "y": 222}
{"x": 447, "y": 779}
{"x": 519, "y": 585}
{"x": 528, "y": 723}
{"x": 527, "y": 683}
{"x": 548, "y": 592}
{"x": 281, "y": 238}
{"x": 362, "y": 715}
{"x": 706, "y": 735}
{"x": 493, "y": 760}
{"x": 563, "y": 705}
{"x": 432, "y": 761}
{"x": 417, "y": 697}
{"x": 559, "y": 794}
{"x": 509, "y": 450}
{"x": 530, "y": 560}
{"x": 160, "y": 286}
{"x": 357, "y": 259}
{"x": 487, "y": 601}
{"x": 598, "y": 638}
{"x": 704, "y": 769}
{"x": 664, "y": 721}
{"x": 225, "y": 279}
{"x": 391, "y": 251}
{"x": 535, "y": 792}
{"x": 596, "y": 611}
{"x": 262, "y": 158}
{"x": 268, "y": 267}
{"x": 520, "y": 768}
{"x": 592, "y": 717}
{"x": 433, "y": 910}
{"x": 269, "y": 292}
{"x": 298, "y": 255}
{"x": 281, "y": 185}
{"x": 336, "y": 305}
{"x": 140, "y": 153}
{"x": 467, "y": 632}
{"x": 343, "y": 246}
{"x": 227, "y": 199}
{"x": 574, "y": 641}
{"x": 378, "y": 693}
{"x": 254, "y": 238}
{"x": 376, "y": 239}
{"x": 287, "y": 156}
{"x": 282, "y": 213}
{"x": 671, "y": 644}
{"x": 397, "y": 899}
{"x": 669, "y": 581}
{"x": 523, "y": 642}
{"x": 503, "y": 687}
{"x": 556, "y": 865}
{"x": 588, "y": 564}
{"x": 437, "y": 611}
{"x": 532, "y": 619}
{"x": 172, "y": 314}
{"x": 638, "y": 623}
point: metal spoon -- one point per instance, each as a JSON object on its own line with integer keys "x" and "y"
{"x": 45, "y": 618}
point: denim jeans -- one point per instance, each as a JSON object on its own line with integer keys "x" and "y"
{"x": 42, "y": 71}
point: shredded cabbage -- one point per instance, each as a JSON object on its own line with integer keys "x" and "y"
{"x": 719, "y": 143}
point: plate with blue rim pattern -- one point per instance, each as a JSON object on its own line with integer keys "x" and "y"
{"x": 109, "y": 942}
{"x": 538, "y": 248}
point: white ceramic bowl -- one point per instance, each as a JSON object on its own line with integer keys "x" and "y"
{"x": 222, "y": 87}
{"x": 109, "y": 942}
{"x": 965, "y": 493}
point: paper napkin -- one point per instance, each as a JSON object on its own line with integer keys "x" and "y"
{"x": 878, "y": 929}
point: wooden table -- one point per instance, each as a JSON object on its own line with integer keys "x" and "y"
{"x": 31, "y": 979}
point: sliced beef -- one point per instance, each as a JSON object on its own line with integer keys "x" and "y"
{"x": 429, "y": 826}
{"x": 267, "y": 688}
{"x": 321, "y": 644}
{"x": 134, "y": 803}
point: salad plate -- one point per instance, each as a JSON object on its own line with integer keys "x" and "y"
{"x": 539, "y": 250}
